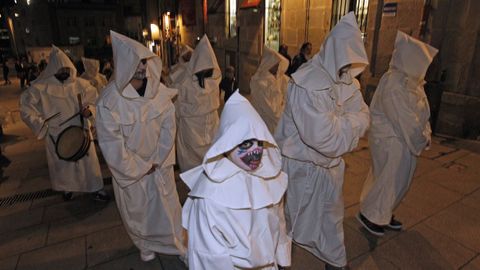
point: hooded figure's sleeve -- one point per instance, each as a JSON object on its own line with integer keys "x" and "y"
{"x": 330, "y": 133}
{"x": 89, "y": 97}
{"x": 30, "y": 111}
{"x": 167, "y": 135}
{"x": 126, "y": 166}
{"x": 400, "y": 108}
{"x": 208, "y": 243}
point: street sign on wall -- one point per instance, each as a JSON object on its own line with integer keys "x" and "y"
{"x": 390, "y": 9}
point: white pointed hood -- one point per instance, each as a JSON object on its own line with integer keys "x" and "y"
{"x": 184, "y": 49}
{"x": 343, "y": 46}
{"x": 127, "y": 54}
{"x": 221, "y": 180}
{"x": 92, "y": 66}
{"x": 178, "y": 70}
{"x": 269, "y": 59}
{"x": 57, "y": 60}
{"x": 412, "y": 56}
{"x": 203, "y": 57}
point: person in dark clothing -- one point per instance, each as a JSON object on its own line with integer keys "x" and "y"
{"x": 283, "y": 50}
{"x": 300, "y": 58}
{"x": 6, "y": 70}
{"x": 21, "y": 69}
{"x": 228, "y": 83}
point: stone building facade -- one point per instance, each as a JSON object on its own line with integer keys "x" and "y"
{"x": 451, "y": 26}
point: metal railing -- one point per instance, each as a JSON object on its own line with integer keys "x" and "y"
{"x": 342, "y": 7}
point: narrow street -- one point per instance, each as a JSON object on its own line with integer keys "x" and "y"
{"x": 41, "y": 231}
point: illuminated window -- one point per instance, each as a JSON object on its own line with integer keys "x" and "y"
{"x": 272, "y": 23}
{"x": 231, "y": 18}
{"x": 342, "y": 7}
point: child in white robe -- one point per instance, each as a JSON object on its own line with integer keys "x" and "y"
{"x": 234, "y": 214}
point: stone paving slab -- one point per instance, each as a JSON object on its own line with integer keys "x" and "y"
{"x": 109, "y": 244}
{"x": 458, "y": 154}
{"x": 473, "y": 265}
{"x": 9, "y": 263}
{"x": 461, "y": 223}
{"x": 20, "y": 241}
{"x": 130, "y": 262}
{"x": 459, "y": 181}
{"x": 472, "y": 161}
{"x": 424, "y": 166}
{"x": 170, "y": 262}
{"x": 423, "y": 248}
{"x": 16, "y": 208}
{"x": 436, "y": 150}
{"x": 66, "y": 255}
{"x": 21, "y": 220}
{"x": 429, "y": 198}
{"x": 473, "y": 200}
{"x": 371, "y": 262}
{"x": 77, "y": 207}
{"x": 84, "y": 224}
{"x": 352, "y": 188}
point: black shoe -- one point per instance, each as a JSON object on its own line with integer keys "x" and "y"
{"x": 4, "y": 161}
{"x": 67, "y": 196}
{"x": 394, "y": 224}
{"x": 370, "y": 226}
{"x": 101, "y": 196}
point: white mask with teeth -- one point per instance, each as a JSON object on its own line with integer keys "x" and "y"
{"x": 247, "y": 155}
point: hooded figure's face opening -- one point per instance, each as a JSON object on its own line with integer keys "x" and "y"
{"x": 202, "y": 75}
{"x": 141, "y": 72}
{"x": 186, "y": 56}
{"x": 62, "y": 74}
{"x": 247, "y": 155}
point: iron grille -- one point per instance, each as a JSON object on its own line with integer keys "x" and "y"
{"x": 342, "y": 7}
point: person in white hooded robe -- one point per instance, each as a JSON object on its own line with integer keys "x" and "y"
{"x": 234, "y": 215}
{"x": 269, "y": 86}
{"x": 177, "y": 72}
{"x": 49, "y": 102}
{"x": 197, "y": 106}
{"x": 136, "y": 132}
{"x": 93, "y": 75}
{"x": 400, "y": 130}
{"x": 324, "y": 118}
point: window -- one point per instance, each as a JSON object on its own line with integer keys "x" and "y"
{"x": 272, "y": 24}
{"x": 342, "y": 7}
{"x": 231, "y": 18}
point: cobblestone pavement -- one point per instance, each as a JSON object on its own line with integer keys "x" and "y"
{"x": 440, "y": 214}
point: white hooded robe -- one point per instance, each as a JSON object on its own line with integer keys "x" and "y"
{"x": 197, "y": 107}
{"x": 400, "y": 129}
{"x": 48, "y": 96}
{"x": 93, "y": 75}
{"x": 323, "y": 119}
{"x": 135, "y": 132}
{"x": 268, "y": 91}
{"x": 235, "y": 218}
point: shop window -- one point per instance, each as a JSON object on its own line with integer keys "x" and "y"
{"x": 231, "y": 18}
{"x": 342, "y": 7}
{"x": 272, "y": 23}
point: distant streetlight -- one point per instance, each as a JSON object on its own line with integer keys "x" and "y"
{"x": 155, "y": 32}
{"x": 16, "y": 15}
{"x": 28, "y": 2}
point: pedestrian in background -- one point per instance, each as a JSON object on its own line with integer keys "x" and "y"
{"x": 228, "y": 83}
{"x": 283, "y": 50}
{"x": 6, "y": 71}
{"x": 300, "y": 58}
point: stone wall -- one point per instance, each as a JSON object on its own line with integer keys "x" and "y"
{"x": 296, "y": 18}
{"x": 455, "y": 30}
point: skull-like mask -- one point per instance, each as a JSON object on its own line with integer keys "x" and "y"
{"x": 247, "y": 155}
